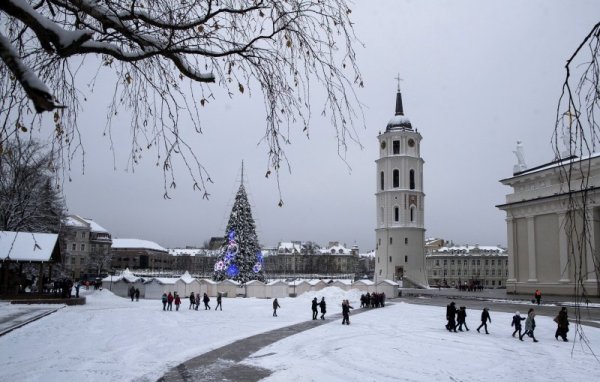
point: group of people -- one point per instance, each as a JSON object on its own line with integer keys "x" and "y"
{"x": 134, "y": 293}
{"x": 372, "y": 300}
{"x": 195, "y": 300}
{"x": 456, "y": 318}
{"x": 168, "y": 299}
{"x": 316, "y": 305}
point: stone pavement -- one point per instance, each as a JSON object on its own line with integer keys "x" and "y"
{"x": 223, "y": 364}
{"x": 17, "y": 316}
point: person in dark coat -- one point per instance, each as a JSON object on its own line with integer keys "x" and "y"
{"x": 170, "y": 301}
{"x": 451, "y": 317}
{"x": 529, "y": 325}
{"x": 315, "y": 312}
{"x": 137, "y": 294}
{"x": 538, "y": 296}
{"x": 323, "y": 306}
{"x": 485, "y": 316}
{"x": 562, "y": 321}
{"x": 164, "y": 300}
{"x": 192, "y": 300}
{"x": 461, "y": 317}
{"x": 219, "y": 302}
{"x": 275, "y": 306}
{"x": 516, "y": 322}
{"x": 177, "y": 301}
{"x": 206, "y": 300}
{"x": 132, "y": 293}
{"x": 197, "y": 301}
{"x": 346, "y": 312}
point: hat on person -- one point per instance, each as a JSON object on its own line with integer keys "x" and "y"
{"x": 517, "y": 313}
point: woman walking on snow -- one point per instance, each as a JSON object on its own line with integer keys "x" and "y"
{"x": 322, "y": 305}
{"x": 529, "y": 325}
{"x": 461, "y": 317}
{"x": 177, "y": 301}
{"x": 562, "y": 320}
{"x": 206, "y": 300}
{"x": 346, "y": 312}
{"x": 170, "y": 302}
{"x": 219, "y": 302}
{"x": 275, "y": 306}
{"x": 192, "y": 300}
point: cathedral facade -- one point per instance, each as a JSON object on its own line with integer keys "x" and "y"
{"x": 400, "y": 203}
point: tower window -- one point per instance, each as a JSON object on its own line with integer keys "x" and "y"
{"x": 406, "y": 240}
{"x": 396, "y": 214}
{"x": 390, "y": 259}
{"x": 396, "y": 178}
{"x": 412, "y": 179}
{"x": 390, "y": 241}
{"x": 381, "y": 181}
{"x": 412, "y": 214}
{"x": 396, "y": 147}
{"x": 406, "y": 259}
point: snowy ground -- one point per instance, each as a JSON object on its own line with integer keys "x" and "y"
{"x": 111, "y": 338}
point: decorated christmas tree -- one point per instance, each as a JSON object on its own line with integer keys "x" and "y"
{"x": 240, "y": 259}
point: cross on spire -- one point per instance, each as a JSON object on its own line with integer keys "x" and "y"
{"x": 242, "y": 172}
{"x": 397, "y": 78}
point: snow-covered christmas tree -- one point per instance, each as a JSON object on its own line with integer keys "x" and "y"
{"x": 240, "y": 259}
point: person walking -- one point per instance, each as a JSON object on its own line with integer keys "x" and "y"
{"x": 346, "y": 312}
{"x": 132, "y": 293}
{"x": 516, "y": 322}
{"x": 538, "y": 296}
{"x": 562, "y": 321}
{"x": 206, "y": 300}
{"x": 192, "y": 300}
{"x": 275, "y": 306}
{"x": 164, "y": 300}
{"x": 323, "y": 306}
{"x": 170, "y": 302}
{"x": 219, "y": 302}
{"x": 177, "y": 301}
{"x": 485, "y": 316}
{"x": 451, "y": 317}
{"x": 137, "y": 294}
{"x": 461, "y": 317}
{"x": 529, "y": 325}
{"x": 197, "y": 300}
{"x": 315, "y": 312}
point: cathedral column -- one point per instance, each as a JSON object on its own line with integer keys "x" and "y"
{"x": 589, "y": 249}
{"x": 531, "y": 250}
{"x": 563, "y": 249}
{"x": 512, "y": 247}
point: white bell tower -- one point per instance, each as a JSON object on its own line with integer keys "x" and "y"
{"x": 400, "y": 200}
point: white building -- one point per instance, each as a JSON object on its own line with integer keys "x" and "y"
{"x": 553, "y": 226}
{"x": 400, "y": 231}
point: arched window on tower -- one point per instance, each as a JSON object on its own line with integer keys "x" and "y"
{"x": 396, "y": 214}
{"x": 412, "y": 214}
{"x": 412, "y": 179}
{"x": 396, "y": 178}
{"x": 381, "y": 181}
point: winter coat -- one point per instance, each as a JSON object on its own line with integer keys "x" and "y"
{"x": 206, "y": 299}
{"x": 275, "y": 304}
{"x": 485, "y": 316}
{"x": 516, "y": 322}
{"x": 164, "y": 298}
{"x": 314, "y": 304}
{"x": 170, "y": 298}
{"x": 450, "y": 311}
{"x": 562, "y": 319}
{"x": 346, "y": 308}
{"x": 177, "y": 300}
{"x": 461, "y": 315}
{"x": 530, "y": 323}
{"x": 322, "y": 305}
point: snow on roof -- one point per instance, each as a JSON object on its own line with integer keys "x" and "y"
{"x": 185, "y": 251}
{"x": 289, "y": 247}
{"x": 207, "y": 281}
{"x": 136, "y": 243}
{"x": 464, "y": 249}
{"x": 78, "y": 221}
{"x": 390, "y": 282}
{"x": 365, "y": 282}
{"x": 335, "y": 250}
{"x": 164, "y": 280}
{"x": 274, "y": 282}
{"x": 27, "y": 246}
{"x": 343, "y": 281}
{"x": 252, "y": 282}
{"x": 187, "y": 278}
{"x": 371, "y": 253}
{"x": 314, "y": 282}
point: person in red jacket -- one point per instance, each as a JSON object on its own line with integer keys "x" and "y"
{"x": 170, "y": 301}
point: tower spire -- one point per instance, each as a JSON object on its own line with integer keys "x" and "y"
{"x": 399, "y": 109}
{"x": 242, "y": 172}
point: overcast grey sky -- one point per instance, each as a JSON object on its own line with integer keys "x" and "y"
{"x": 477, "y": 77}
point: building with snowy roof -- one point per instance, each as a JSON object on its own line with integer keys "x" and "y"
{"x": 472, "y": 266}
{"x": 86, "y": 247}
{"x": 198, "y": 261}
{"x": 546, "y": 213}
{"x": 141, "y": 254}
